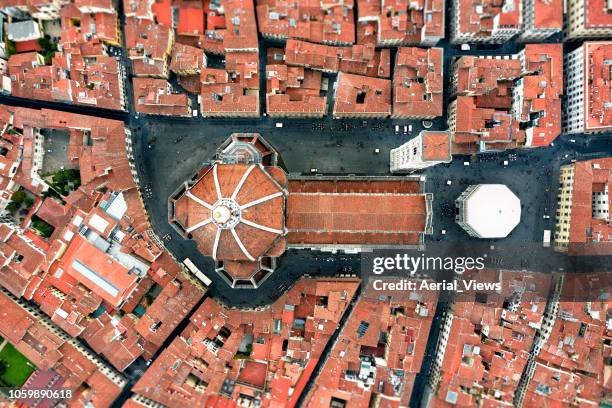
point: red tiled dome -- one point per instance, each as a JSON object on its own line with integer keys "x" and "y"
{"x": 234, "y": 211}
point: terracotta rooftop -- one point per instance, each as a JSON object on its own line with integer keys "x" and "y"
{"x": 115, "y": 339}
{"x": 203, "y": 366}
{"x": 154, "y": 96}
{"x": 482, "y": 17}
{"x": 417, "y": 83}
{"x": 87, "y": 6}
{"x": 20, "y": 261}
{"x": 540, "y": 91}
{"x": 547, "y": 14}
{"x": 342, "y": 212}
{"x": 597, "y": 86}
{"x": 54, "y": 213}
{"x": 234, "y": 212}
{"x": 480, "y": 128}
{"x": 163, "y": 12}
{"x": 379, "y": 351}
{"x": 97, "y": 83}
{"x": 219, "y": 26}
{"x": 361, "y": 96}
{"x": 139, "y": 9}
{"x": 253, "y": 373}
{"x": 233, "y": 91}
{"x": 11, "y": 159}
{"x": 103, "y": 162}
{"x": 215, "y": 27}
{"x": 187, "y": 59}
{"x": 489, "y": 342}
{"x": 597, "y": 14}
{"x": 293, "y": 91}
{"x": 590, "y": 233}
{"x": 28, "y": 69}
{"x": 356, "y": 59}
{"x": 103, "y": 25}
{"x": 148, "y": 47}
{"x": 97, "y": 271}
{"x": 92, "y": 83}
{"x": 190, "y": 20}
{"x": 70, "y": 293}
{"x": 80, "y": 72}
{"x": 405, "y": 22}
{"x": 548, "y": 384}
{"x": 512, "y": 101}
{"x": 571, "y": 363}
{"x": 40, "y": 342}
{"x": 486, "y": 114}
{"x": 321, "y": 22}
{"x": 353, "y": 212}
{"x": 169, "y": 308}
{"x": 241, "y": 26}
{"x": 436, "y": 146}
{"x": 480, "y": 76}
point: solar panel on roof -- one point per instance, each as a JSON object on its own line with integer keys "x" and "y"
{"x": 363, "y": 327}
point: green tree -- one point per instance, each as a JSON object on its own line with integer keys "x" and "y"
{"x": 12, "y": 207}
{"x": 9, "y": 48}
{"x": 42, "y": 227}
{"x": 18, "y": 196}
{"x": 48, "y": 48}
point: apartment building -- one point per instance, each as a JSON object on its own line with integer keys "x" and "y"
{"x": 485, "y": 21}
{"x": 588, "y": 19}
{"x": 541, "y": 19}
{"x": 583, "y": 215}
{"x": 588, "y": 108}
{"x": 417, "y": 83}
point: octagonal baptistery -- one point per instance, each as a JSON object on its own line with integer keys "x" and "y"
{"x": 235, "y": 212}
{"x": 488, "y": 210}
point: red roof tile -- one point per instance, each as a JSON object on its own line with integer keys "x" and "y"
{"x": 294, "y": 91}
{"x": 481, "y": 17}
{"x": 547, "y": 14}
{"x": 405, "y": 22}
{"x": 391, "y": 334}
{"x": 190, "y": 21}
{"x": 417, "y": 83}
{"x": 597, "y": 14}
{"x": 253, "y": 207}
{"x": 331, "y": 23}
{"x": 79, "y": 370}
{"x": 589, "y": 234}
{"x": 154, "y": 96}
{"x": 354, "y": 212}
{"x": 360, "y": 96}
{"x": 97, "y": 271}
{"x": 233, "y": 91}
{"x": 357, "y": 59}
{"x": 204, "y": 353}
{"x": 187, "y": 59}
{"x": 597, "y": 86}
{"x": 436, "y": 146}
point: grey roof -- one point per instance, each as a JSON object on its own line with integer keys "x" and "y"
{"x": 23, "y": 31}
